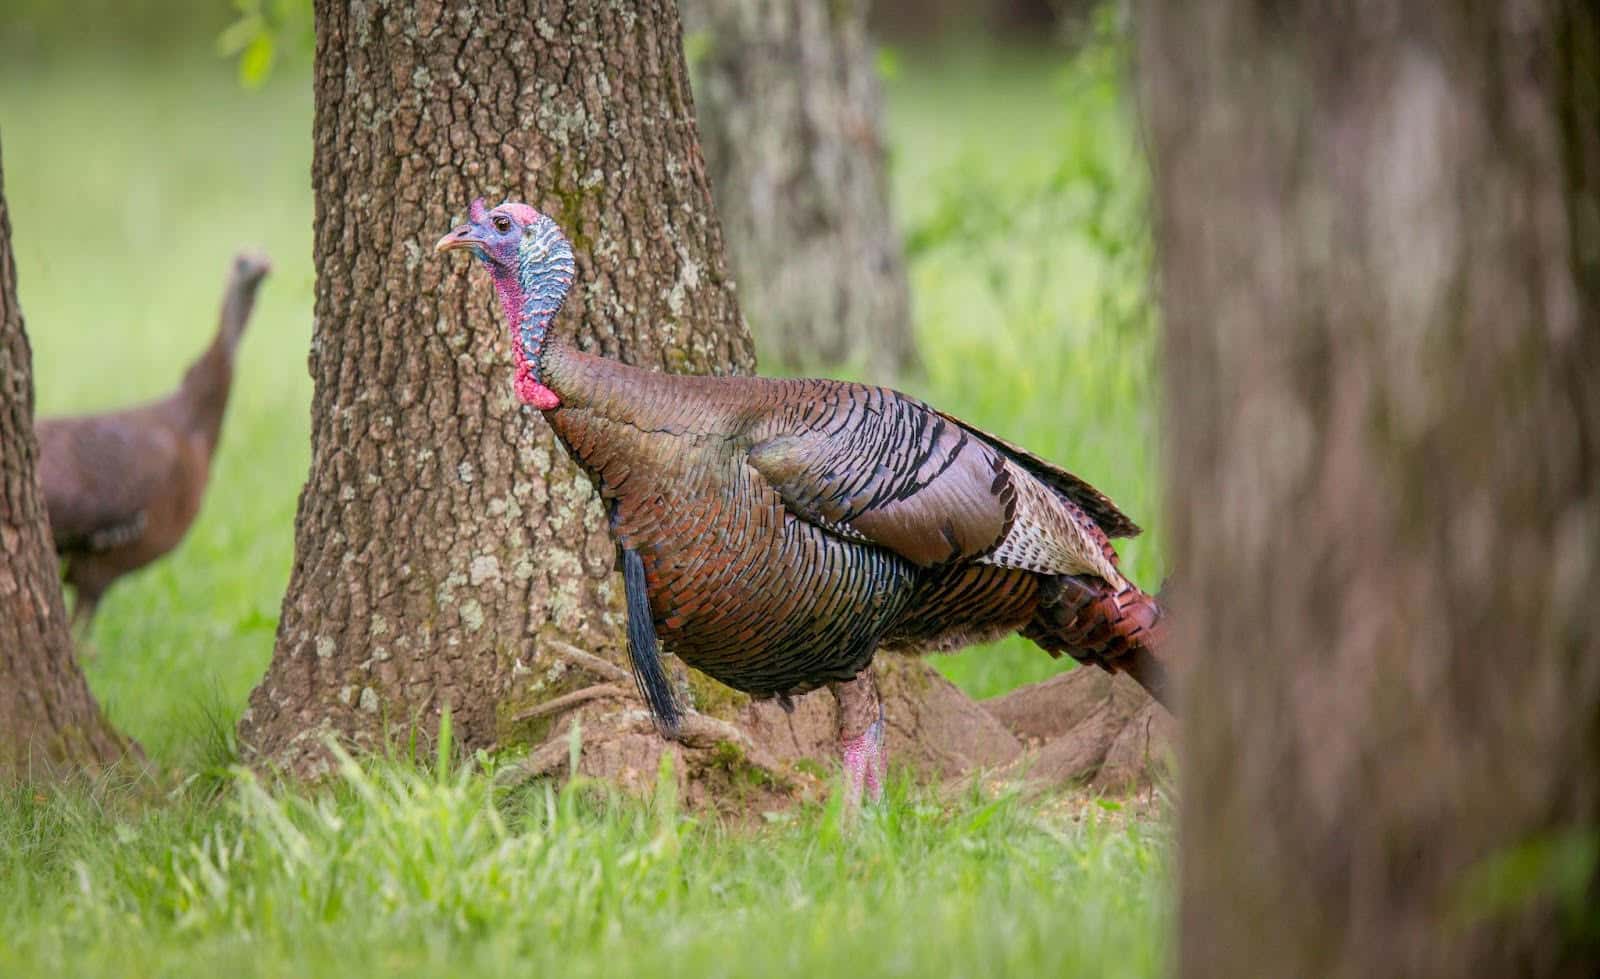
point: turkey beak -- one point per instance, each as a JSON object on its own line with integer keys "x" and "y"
{"x": 462, "y": 237}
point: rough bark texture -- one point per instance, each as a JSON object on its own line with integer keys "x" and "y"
{"x": 791, "y": 117}
{"x": 48, "y": 718}
{"x": 1381, "y": 264}
{"x": 443, "y": 537}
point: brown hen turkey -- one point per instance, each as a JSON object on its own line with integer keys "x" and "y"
{"x": 123, "y": 487}
{"x": 777, "y": 533}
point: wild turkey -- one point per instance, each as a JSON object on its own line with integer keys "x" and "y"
{"x": 776, "y": 533}
{"x": 123, "y": 487}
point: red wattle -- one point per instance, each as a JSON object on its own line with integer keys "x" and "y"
{"x": 531, "y": 392}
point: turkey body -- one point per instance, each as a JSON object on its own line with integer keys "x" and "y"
{"x": 790, "y": 528}
{"x": 121, "y": 490}
{"x": 123, "y": 487}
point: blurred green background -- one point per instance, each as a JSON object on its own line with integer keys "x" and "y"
{"x": 136, "y": 163}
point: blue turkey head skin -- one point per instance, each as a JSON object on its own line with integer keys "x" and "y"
{"x": 493, "y": 236}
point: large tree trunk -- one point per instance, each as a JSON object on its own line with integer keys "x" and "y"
{"x": 443, "y": 538}
{"x": 1381, "y": 270}
{"x": 48, "y": 718}
{"x": 790, "y": 112}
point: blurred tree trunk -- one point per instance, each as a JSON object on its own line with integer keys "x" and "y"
{"x": 445, "y": 545}
{"x": 1381, "y": 272}
{"x": 47, "y": 715}
{"x": 791, "y": 116}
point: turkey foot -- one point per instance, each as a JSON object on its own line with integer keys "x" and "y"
{"x": 861, "y": 737}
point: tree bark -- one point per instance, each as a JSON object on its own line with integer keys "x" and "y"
{"x": 1381, "y": 275}
{"x": 48, "y": 718}
{"x": 791, "y": 117}
{"x": 443, "y": 538}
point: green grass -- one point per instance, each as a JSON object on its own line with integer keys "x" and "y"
{"x": 132, "y": 181}
{"x": 395, "y": 871}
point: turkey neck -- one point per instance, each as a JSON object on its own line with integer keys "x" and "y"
{"x": 615, "y": 419}
{"x": 592, "y": 388}
{"x": 206, "y": 384}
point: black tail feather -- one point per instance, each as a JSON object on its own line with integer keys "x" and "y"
{"x": 643, "y": 649}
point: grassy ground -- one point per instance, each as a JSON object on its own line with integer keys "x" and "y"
{"x": 398, "y": 872}
{"x": 131, "y": 182}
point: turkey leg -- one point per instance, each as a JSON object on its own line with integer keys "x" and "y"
{"x": 84, "y": 602}
{"x": 861, "y": 737}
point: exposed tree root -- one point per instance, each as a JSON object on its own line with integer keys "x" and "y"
{"x": 1087, "y": 727}
{"x": 1081, "y": 728}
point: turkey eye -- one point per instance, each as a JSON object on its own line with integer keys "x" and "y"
{"x": 501, "y": 224}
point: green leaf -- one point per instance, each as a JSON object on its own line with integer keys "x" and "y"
{"x": 697, "y": 46}
{"x": 255, "y": 64}
{"x": 238, "y": 35}
{"x": 886, "y": 61}
{"x": 1509, "y": 881}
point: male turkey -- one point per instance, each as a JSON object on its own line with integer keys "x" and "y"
{"x": 776, "y": 533}
{"x": 123, "y": 487}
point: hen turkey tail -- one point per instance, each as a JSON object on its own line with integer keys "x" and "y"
{"x": 1120, "y": 631}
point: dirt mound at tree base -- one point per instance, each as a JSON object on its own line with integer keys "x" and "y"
{"x": 1083, "y": 727}
{"x": 1087, "y": 727}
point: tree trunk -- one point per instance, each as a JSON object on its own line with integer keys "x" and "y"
{"x": 1381, "y": 272}
{"x": 444, "y": 539}
{"x": 791, "y": 118}
{"x": 47, "y": 715}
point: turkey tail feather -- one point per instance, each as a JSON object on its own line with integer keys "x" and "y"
{"x": 643, "y": 651}
{"x": 1120, "y": 631}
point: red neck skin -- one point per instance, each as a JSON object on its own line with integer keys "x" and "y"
{"x": 530, "y": 391}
